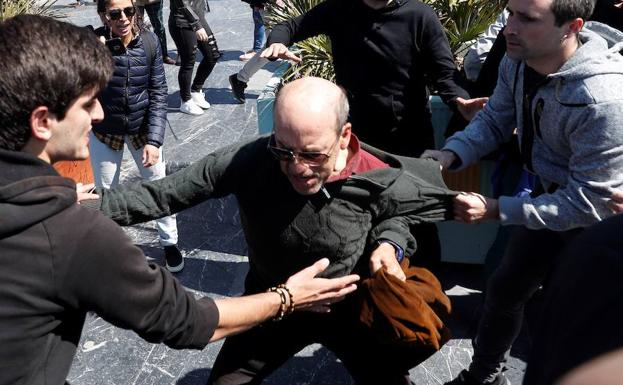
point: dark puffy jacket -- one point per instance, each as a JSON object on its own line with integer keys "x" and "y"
{"x": 135, "y": 99}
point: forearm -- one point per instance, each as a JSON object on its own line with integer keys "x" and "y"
{"x": 239, "y": 314}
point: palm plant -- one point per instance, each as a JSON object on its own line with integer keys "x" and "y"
{"x": 10, "y": 8}
{"x": 463, "y": 21}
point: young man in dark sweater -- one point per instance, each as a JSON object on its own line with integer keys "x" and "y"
{"x": 59, "y": 260}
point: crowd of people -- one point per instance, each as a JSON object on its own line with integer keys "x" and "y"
{"x": 337, "y": 205}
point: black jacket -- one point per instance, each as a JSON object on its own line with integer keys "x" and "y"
{"x": 384, "y": 59}
{"x": 135, "y": 99}
{"x": 189, "y": 14}
{"x": 59, "y": 260}
{"x": 286, "y": 231}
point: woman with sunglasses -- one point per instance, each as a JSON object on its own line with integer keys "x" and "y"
{"x": 190, "y": 31}
{"x": 135, "y": 110}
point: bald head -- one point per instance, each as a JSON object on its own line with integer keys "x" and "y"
{"x": 315, "y": 99}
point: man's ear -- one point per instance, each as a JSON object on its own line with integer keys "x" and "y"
{"x": 41, "y": 120}
{"x": 345, "y": 135}
{"x": 575, "y": 26}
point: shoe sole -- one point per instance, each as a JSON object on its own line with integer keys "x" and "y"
{"x": 175, "y": 269}
{"x": 241, "y": 101}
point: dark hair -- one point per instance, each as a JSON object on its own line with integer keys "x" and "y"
{"x": 45, "y": 62}
{"x": 567, "y": 10}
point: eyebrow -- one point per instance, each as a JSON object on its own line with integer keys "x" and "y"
{"x": 522, "y": 14}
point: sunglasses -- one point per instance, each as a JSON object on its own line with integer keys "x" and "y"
{"x": 115, "y": 14}
{"x": 310, "y": 158}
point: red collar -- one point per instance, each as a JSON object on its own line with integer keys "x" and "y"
{"x": 359, "y": 161}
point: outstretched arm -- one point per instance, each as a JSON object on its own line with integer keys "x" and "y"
{"x": 306, "y": 292}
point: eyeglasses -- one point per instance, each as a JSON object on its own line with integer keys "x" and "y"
{"x": 115, "y": 14}
{"x": 310, "y": 158}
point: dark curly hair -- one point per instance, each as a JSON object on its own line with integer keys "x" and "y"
{"x": 45, "y": 62}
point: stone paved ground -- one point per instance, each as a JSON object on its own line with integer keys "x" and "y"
{"x": 215, "y": 250}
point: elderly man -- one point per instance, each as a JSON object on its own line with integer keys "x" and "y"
{"x": 59, "y": 260}
{"x": 311, "y": 189}
{"x": 559, "y": 85}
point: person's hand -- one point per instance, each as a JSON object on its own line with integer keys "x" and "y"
{"x": 279, "y": 51}
{"x": 474, "y": 208}
{"x": 201, "y": 34}
{"x": 151, "y": 154}
{"x": 445, "y": 158}
{"x": 616, "y": 202}
{"x": 85, "y": 192}
{"x": 385, "y": 256}
{"x": 470, "y": 107}
{"x": 317, "y": 294}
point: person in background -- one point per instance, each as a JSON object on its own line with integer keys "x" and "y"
{"x": 259, "y": 31}
{"x": 154, "y": 11}
{"x": 135, "y": 107}
{"x": 191, "y": 32}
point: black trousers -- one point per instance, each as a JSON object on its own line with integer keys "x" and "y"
{"x": 187, "y": 45}
{"x": 250, "y": 357}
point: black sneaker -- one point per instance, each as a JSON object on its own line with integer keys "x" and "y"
{"x": 237, "y": 88}
{"x": 175, "y": 260}
{"x": 465, "y": 378}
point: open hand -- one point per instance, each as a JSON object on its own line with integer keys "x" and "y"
{"x": 85, "y": 192}
{"x": 311, "y": 293}
{"x": 279, "y": 51}
{"x": 470, "y": 107}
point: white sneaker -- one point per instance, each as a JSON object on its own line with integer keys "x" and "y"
{"x": 200, "y": 100}
{"x": 191, "y": 108}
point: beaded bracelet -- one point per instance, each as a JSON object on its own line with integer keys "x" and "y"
{"x": 287, "y": 302}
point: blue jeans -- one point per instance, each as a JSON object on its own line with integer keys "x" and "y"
{"x": 259, "y": 31}
{"x": 154, "y": 11}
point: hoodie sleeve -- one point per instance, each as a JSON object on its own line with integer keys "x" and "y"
{"x": 439, "y": 59}
{"x": 595, "y": 164}
{"x": 315, "y": 22}
{"x": 493, "y": 125}
{"x": 102, "y": 271}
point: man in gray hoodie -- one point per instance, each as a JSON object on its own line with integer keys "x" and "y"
{"x": 560, "y": 87}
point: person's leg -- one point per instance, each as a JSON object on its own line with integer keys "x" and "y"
{"x": 167, "y": 226}
{"x": 154, "y": 11}
{"x": 249, "y": 357}
{"x": 367, "y": 361}
{"x": 210, "y": 52}
{"x": 527, "y": 261}
{"x": 259, "y": 31}
{"x": 186, "y": 42}
{"x": 239, "y": 80}
{"x": 251, "y": 67}
{"x": 105, "y": 162}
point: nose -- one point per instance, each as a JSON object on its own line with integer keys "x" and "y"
{"x": 510, "y": 28}
{"x": 97, "y": 113}
{"x": 296, "y": 167}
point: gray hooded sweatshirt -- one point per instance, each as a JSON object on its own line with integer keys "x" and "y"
{"x": 578, "y": 134}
